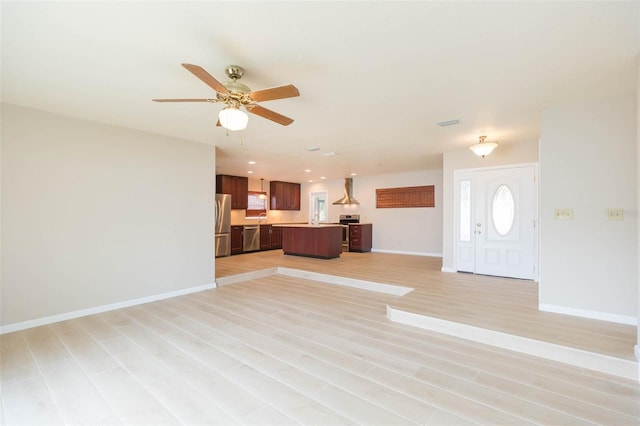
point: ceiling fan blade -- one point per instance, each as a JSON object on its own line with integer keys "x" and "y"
{"x": 270, "y": 115}
{"x": 207, "y": 78}
{"x": 281, "y": 92}
{"x": 184, "y": 100}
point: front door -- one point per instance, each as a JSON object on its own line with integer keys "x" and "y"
{"x": 496, "y": 218}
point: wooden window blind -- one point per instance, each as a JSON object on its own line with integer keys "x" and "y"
{"x": 409, "y": 196}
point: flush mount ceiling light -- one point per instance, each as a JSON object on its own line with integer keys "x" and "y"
{"x": 483, "y": 148}
{"x": 233, "y": 119}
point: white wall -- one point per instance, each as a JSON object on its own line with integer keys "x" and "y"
{"x": 587, "y": 163}
{"x": 94, "y": 215}
{"x": 408, "y": 230}
{"x": 504, "y": 154}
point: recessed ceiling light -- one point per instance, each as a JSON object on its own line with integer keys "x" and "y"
{"x": 448, "y": 123}
{"x": 322, "y": 177}
{"x": 329, "y": 154}
{"x": 250, "y": 172}
{"x": 307, "y": 170}
{"x": 353, "y": 174}
{"x": 310, "y": 180}
{"x": 252, "y": 162}
{"x": 313, "y": 148}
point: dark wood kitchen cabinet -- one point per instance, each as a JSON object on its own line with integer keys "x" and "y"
{"x": 285, "y": 195}
{"x": 313, "y": 241}
{"x": 270, "y": 237}
{"x": 237, "y": 186}
{"x": 236, "y": 239}
{"x": 360, "y": 237}
{"x": 276, "y": 237}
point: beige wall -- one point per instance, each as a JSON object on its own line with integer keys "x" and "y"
{"x": 587, "y": 160}
{"x": 505, "y": 154}
{"x": 95, "y": 215}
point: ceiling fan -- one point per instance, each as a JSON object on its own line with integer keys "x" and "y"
{"x": 235, "y": 94}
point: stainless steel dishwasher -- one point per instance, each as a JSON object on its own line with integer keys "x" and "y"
{"x": 251, "y": 238}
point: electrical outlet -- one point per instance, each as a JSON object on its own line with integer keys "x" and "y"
{"x": 563, "y": 214}
{"x": 616, "y": 215}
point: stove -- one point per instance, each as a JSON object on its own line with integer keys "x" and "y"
{"x": 345, "y": 220}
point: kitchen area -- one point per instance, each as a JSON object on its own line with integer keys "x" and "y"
{"x": 256, "y": 220}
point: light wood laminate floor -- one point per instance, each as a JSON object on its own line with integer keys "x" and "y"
{"x": 499, "y": 304}
{"x": 283, "y": 350}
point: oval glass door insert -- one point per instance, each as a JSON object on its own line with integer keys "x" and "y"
{"x": 503, "y": 210}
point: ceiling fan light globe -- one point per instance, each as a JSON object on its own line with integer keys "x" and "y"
{"x": 484, "y": 148}
{"x": 233, "y": 119}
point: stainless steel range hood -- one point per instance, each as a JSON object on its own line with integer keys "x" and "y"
{"x": 348, "y": 193}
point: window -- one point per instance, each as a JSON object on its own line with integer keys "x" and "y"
{"x": 503, "y": 210}
{"x": 257, "y": 206}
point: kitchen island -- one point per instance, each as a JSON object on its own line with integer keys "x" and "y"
{"x": 323, "y": 241}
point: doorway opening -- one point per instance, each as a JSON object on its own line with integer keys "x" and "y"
{"x": 318, "y": 207}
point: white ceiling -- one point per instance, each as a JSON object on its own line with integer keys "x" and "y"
{"x": 374, "y": 77}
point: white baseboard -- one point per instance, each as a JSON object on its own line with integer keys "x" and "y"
{"x": 99, "y": 309}
{"x": 584, "y": 313}
{"x": 238, "y": 278}
{"x": 410, "y": 253}
{"x": 448, "y": 269}
{"x": 347, "y": 282}
{"x": 589, "y": 360}
{"x": 316, "y": 276}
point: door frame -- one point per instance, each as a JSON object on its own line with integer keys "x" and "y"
{"x": 312, "y": 197}
{"x": 456, "y": 209}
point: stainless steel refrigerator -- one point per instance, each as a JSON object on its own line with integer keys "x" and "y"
{"x": 223, "y": 224}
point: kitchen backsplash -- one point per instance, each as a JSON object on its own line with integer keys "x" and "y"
{"x": 273, "y": 216}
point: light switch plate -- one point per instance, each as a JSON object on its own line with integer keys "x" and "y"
{"x": 563, "y": 214}
{"x": 616, "y": 215}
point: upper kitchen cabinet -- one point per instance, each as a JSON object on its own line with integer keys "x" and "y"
{"x": 285, "y": 195}
{"x": 237, "y": 186}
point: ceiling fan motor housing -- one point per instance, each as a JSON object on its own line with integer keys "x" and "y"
{"x": 234, "y": 86}
{"x": 234, "y": 72}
